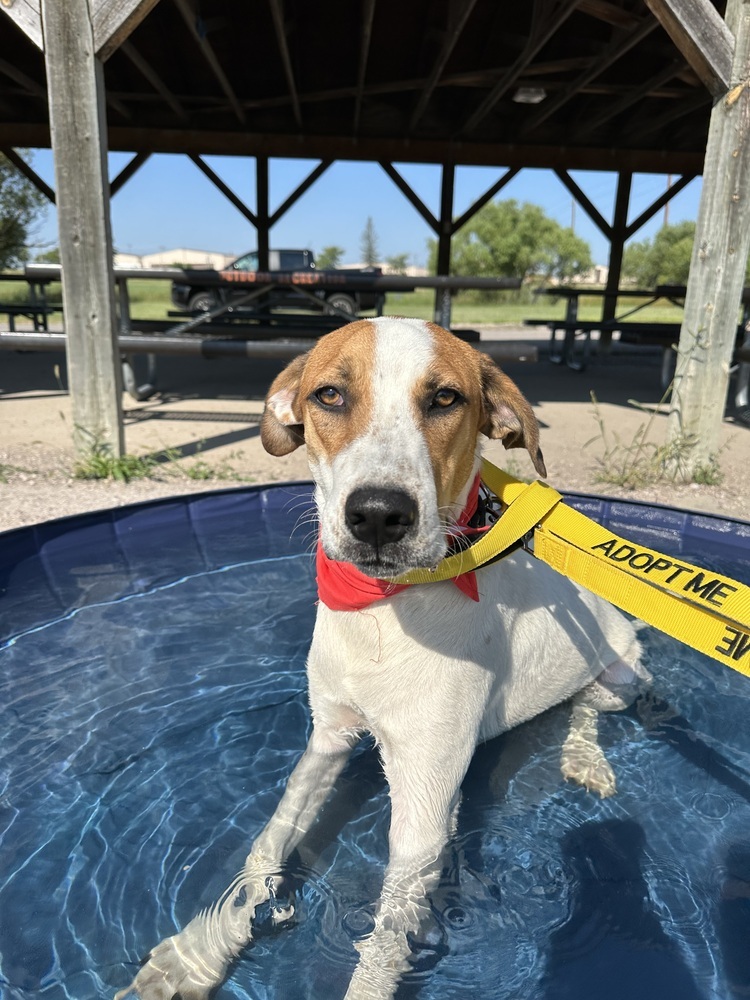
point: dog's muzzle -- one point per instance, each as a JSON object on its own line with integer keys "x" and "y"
{"x": 379, "y": 517}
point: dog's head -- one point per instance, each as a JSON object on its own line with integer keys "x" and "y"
{"x": 391, "y": 411}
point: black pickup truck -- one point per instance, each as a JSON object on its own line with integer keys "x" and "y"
{"x": 195, "y": 295}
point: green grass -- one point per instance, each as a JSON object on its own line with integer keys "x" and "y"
{"x": 512, "y": 307}
{"x": 150, "y": 299}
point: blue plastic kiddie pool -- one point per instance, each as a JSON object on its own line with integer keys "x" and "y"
{"x": 153, "y": 703}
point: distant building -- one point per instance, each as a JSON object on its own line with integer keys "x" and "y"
{"x": 180, "y": 257}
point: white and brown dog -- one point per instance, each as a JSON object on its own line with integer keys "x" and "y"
{"x": 393, "y": 412}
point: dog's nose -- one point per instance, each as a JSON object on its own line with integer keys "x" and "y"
{"x": 380, "y": 516}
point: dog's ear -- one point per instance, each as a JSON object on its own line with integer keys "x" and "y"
{"x": 281, "y": 427}
{"x": 508, "y": 415}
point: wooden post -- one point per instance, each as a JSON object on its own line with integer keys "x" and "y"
{"x": 261, "y": 186}
{"x": 75, "y": 86}
{"x": 717, "y": 269}
{"x": 616, "y": 249}
{"x": 445, "y": 232}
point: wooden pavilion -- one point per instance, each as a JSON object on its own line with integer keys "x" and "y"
{"x": 619, "y": 85}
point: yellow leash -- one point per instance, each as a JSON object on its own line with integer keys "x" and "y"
{"x": 703, "y": 609}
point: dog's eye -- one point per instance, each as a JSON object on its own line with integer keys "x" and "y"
{"x": 329, "y": 396}
{"x": 444, "y": 398}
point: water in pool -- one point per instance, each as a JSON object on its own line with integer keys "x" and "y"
{"x": 149, "y": 723}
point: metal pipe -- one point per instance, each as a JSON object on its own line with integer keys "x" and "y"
{"x": 503, "y": 352}
{"x": 307, "y": 279}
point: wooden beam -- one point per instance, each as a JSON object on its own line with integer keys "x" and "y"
{"x": 538, "y": 38}
{"x": 395, "y": 148}
{"x": 127, "y": 172}
{"x": 615, "y": 108}
{"x": 411, "y": 196}
{"x": 14, "y": 73}
{"x": 364, "y": 54}
{"x": 76, "y": 106}
{"x": 649, "y": 124}
{"x": 442, "y": 311}
{"x": 306, "y": 184}
{"x": 277, "y": 12}
{"x": 27, "y": 15}
{"x": 261, "y": 203}
{"x": 586, "y": 204}
{"x": 452, "y": 35}
{"x": 614, "y": 51}
{"x": 190, "y": 19}
{"x": 616, "y": 250}
{"x": 30, "y": 174}
{"x": 698, "y": 31}
{"x": 717, "y": 269}
{"x": 603, "y": 10}
{"x": 488, "y": 195}
{"x": 658, "y": 204}
{"x": 224, "y": 188}
{"x": 146, "y": 70}
{"x": 114, "y": 20}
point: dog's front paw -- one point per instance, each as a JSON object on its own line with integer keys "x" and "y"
{"x": 173, "y": 969}
{"x": 585, "y": 763}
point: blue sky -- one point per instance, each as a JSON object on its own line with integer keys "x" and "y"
{"x": 169, "y": 203}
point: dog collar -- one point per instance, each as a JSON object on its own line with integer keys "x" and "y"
{"x": 342, "y": 587}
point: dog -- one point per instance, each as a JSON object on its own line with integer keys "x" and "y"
{"x": 393, "y": 412}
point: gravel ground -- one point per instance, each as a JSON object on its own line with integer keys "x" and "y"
{"x": 207, "y": 411}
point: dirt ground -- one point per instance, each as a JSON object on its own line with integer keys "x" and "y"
{"x": 208, "y": 411}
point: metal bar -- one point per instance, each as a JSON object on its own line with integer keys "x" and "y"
{"x": 261, "y": 201}
{"x": 501, "y": 351}
{"x": 319, "y": 279}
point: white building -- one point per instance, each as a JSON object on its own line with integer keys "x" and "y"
{"x": 180, "y": 257}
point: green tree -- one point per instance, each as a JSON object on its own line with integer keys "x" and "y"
{"x": 329, "y": 258}
{"x": 49, "y": 256}
{"x": 663, "y": 260}
{"x": 508, "y": 239}
{"x": 369, "y": 244}
{"x": 398, "y": 263}
{"x": 21, "y": 205}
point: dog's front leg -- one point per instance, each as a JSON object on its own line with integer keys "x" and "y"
{"x": 192, "y": 963}
{"x": 424, "y": 804}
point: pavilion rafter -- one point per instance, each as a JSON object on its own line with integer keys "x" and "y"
{"x": 365, "y": 40}
{"x": 189, "y": 17}
{"x": 453, "y": 33}
{"x": 611, "y": 54}
{"x": 545, "y": 22}
{"x": 699, "y": 32}
{"x": 147, "y": 70}
{"x": 636, "y": 94}
{"x": 279, "y": 23}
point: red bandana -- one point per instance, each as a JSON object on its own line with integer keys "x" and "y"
{"x": 341, "y": 586}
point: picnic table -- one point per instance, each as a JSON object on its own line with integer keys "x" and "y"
{"x": 36, "y": 307}
{"x": 638, "y": 331}
{"x": 245, "y": 326}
